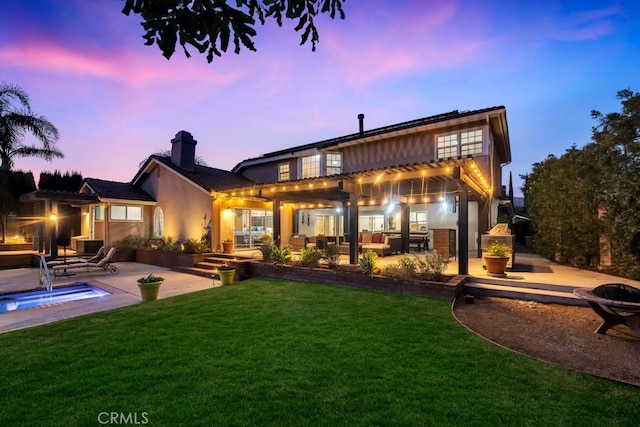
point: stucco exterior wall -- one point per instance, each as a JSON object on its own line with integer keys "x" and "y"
{"x": 184, "y": 205}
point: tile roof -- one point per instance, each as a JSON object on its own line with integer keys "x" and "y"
{"x": 211, "y": 179}
{"x": 117, "y": 190}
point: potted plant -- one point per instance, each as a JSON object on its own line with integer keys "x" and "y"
{"x": 150, "y": 286}
{"x": 496, "y": 258}
{"x": 227, "y": 246}
{"x": 227, "y": 274}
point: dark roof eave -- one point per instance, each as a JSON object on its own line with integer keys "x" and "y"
{"x": 367, "y": 134}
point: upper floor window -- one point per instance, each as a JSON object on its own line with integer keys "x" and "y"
{"x": 471, "y": 142}
{"x": 311, "y": 166}
{"x": 283, "y": 172}
{"x": 334, "y": 163}
{"x": 459, "y": 144}
{"x": 125, "y": 213}
{"x": 447, "y": 146}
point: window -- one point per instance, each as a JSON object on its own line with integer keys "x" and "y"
{"x": 311, "y": 166}
{"x": 125, "y": 213}
{"x": 334, "y": 163}
{"x": 459, "y": 144}
{"x": 448, "y": 146}
{"x": 98, "y": 213}
{"x": 158, "y": 222}
{"x": 418, "y": 221}
{"x": 283, "y": 172}
{"x": 471, "y": 142}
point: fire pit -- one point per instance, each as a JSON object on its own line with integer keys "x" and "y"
{"x": 615, "y": 303}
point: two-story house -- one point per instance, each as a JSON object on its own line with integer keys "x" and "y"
{"x": 439, "y": 175}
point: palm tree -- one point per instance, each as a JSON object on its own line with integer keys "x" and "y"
{"x": 17, "y": 119}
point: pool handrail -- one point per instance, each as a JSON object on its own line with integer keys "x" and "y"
{"x": 45, "y": 277}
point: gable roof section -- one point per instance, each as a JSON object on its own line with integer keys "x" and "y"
{"x": 451, "y": 116}
{"x": 116, "y": 190}
{"x": 208, "y": 178}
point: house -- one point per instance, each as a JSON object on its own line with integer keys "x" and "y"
{"x": 437, "y": 177}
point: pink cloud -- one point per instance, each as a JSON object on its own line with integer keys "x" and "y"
{"x": 121, "y": 65}
{"x": 410, "y": 40}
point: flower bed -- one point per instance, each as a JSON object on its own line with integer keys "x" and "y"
{"x": 344, "y": 277}
{"x": 168, "y": 259}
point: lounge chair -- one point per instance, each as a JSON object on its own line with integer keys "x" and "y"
{"x": 103, "y": 264}
{"x": 97, "y": 256}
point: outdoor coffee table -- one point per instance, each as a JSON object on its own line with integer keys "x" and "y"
{"x": 615, "y": 303}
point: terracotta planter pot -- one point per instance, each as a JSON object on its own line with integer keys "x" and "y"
{"x": 227, "y": 247}
{"x": 496, "y": 265}
{"x": 149, "y": 291}
{"x": 227, "y": 276}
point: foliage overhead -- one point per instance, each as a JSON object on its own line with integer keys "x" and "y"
{"x": 16, "y": 120}
{"x": 209, "y": 25}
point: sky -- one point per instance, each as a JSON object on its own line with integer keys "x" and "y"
{"x": 115, "y": 101}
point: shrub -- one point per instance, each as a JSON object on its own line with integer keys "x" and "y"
{"x": 266, "y": 247}
{"x": 166, "y": 244}
{"x": 281, "y": 255}
{"x": 132, "y": 241}
{"x": 332, "y": 255}
{"x": 405, "y": 267}
{"x": 432, "y": 266}
{"x": 498, "y": 249}
{"x": 369, "y": 263}
{"x": 310, "y": 257}
{"x": 193, "y": 246}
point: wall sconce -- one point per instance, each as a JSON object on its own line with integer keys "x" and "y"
{"x": 53, "y": 217}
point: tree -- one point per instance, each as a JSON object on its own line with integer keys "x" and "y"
{"x": 167, "y": 153}
{"x": 592, "y": 192}
{"x": 616, "y": 139}
{"x": 209, "y": 25}
{"x": 70, "y": 181}
{"x": 17, "y": 119}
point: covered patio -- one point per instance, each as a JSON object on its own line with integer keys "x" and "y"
{"x": 395, "y": 199}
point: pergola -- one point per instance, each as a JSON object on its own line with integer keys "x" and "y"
{"x": 405, "y": 185}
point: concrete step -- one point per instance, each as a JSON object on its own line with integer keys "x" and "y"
{"x": 539, "y": 292}
{"x": 197, "y": 271}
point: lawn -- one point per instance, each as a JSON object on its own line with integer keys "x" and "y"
{"x": 268, "y": 352}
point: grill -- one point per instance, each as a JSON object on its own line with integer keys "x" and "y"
{"x": 500, "y": 233}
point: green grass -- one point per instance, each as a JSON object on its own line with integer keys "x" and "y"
{"x": 268, "y": 352}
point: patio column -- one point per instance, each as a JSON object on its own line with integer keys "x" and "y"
{"x": 345, "y": 218}
{"x": 277, "y": 239}
{"x": 484, "y": 212}
{"x": 353, "y": 228}
{"x": 404, "y": 226}
{"x": 463, "y": 230}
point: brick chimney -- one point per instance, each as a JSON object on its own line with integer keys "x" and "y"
{"x": 183, "y": 151}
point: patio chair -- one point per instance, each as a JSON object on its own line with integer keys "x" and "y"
{"x": 103, "y": 264}
{"x": 97, "y": 256}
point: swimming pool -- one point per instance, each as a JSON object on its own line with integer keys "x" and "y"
{"x": 29, "y": 299}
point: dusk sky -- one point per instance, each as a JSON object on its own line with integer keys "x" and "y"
{"x": 115, "y": 101}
